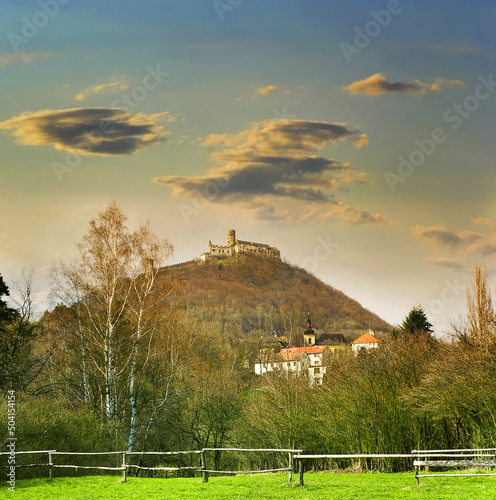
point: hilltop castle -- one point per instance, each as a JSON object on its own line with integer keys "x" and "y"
{"x": 235, "y": 246}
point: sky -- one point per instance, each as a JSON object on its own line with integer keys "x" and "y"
{"x": 356, "y": 136}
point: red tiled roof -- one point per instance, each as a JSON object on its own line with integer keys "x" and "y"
{"x": 366, "y": 338}
{"x": 282, "y": 357}
{"x": 309, "y": 350}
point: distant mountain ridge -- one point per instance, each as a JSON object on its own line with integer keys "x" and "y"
{"x": 247, "y": 294}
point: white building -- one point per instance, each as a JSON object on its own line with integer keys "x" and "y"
{"x": 290, "y": 361}
{"x": 313, "y": 360}
{"x": 319, "y": 357}
{"x": 367, "y": 341}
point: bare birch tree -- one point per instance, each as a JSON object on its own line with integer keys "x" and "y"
{"x": 119, "y": 305}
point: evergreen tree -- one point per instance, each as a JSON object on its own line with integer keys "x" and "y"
{"x": 18, "y": 366}
{"x": 416, "y": 323}
{"x": 5, "y": 311}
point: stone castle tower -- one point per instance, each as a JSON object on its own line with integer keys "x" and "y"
{"x": 231, "y": 237}
{"x": 235, "y": 246}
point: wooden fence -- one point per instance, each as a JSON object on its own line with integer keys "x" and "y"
{"x": 125, "y": 465}
{"x": 472, "y": 458}
{"x": 302, "y": 458}
{"x": 39, "y": 452}
{"x": 291, "y": 454}
{"x": 443, "y": 459}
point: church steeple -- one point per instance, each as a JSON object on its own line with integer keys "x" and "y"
{"x": 309, "y": 334}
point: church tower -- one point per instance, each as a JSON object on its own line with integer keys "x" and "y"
{"x": 309, "y": 334}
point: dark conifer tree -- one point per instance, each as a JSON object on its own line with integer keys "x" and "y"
{"x": 416, "y": 323}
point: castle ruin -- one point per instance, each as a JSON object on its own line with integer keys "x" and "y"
{"x": 235, "y": 247}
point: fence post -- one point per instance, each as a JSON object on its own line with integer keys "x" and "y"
{"x": 204, "y": 465}
{"x": 50, "y": 464}
{"x": 300, "y": 466}
{"x": 417, "y": 469}
{"x": 290, "y": 478}
{"x": 124, "y": 467}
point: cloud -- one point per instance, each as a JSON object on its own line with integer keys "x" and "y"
{"x": 98, "y": 89}
{"x": 348, "y": 215}
{"x": 378, "y": 84}
{"x": 445, "y": 262}
{"x": 291, "y": 178}
{"x": 454, "y": 49}
{"x": 24, "y": 57}
{"x": 361, "y": 140}
{"x": 283, "y": 138}
{"x": 468, "y": 242}
{"x": 439, "y": 235}
{"x": 485, "y": 221}
{"x": 275, "y": 162}
{"x": 269, "y": 89}
{"x": 437, "y": 85}
{"x": 92, "y": 131}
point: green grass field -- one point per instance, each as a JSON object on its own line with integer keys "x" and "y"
{"x": 317, "y": 486}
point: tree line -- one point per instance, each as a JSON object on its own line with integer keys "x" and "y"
{"x": 117, "y": 365}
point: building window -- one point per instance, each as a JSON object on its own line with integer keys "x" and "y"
{"x": 316, "y": 371}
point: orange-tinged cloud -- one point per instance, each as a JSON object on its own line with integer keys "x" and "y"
{"x": 98, "y": 89}
{"x": 24, "y": 57}
{"x": 445, "y": 262}
{"x": 468, "y": 242}
{"x": 90, "y": 131}
{"x": 378, "y": 84}
{"x": 269, "y": 89}
{"x": 273, "y": 162}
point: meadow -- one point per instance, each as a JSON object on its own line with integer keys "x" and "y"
{"x": 342, "y": 486}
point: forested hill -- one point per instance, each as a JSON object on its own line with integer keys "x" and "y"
{"x": 250, "y": 294}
